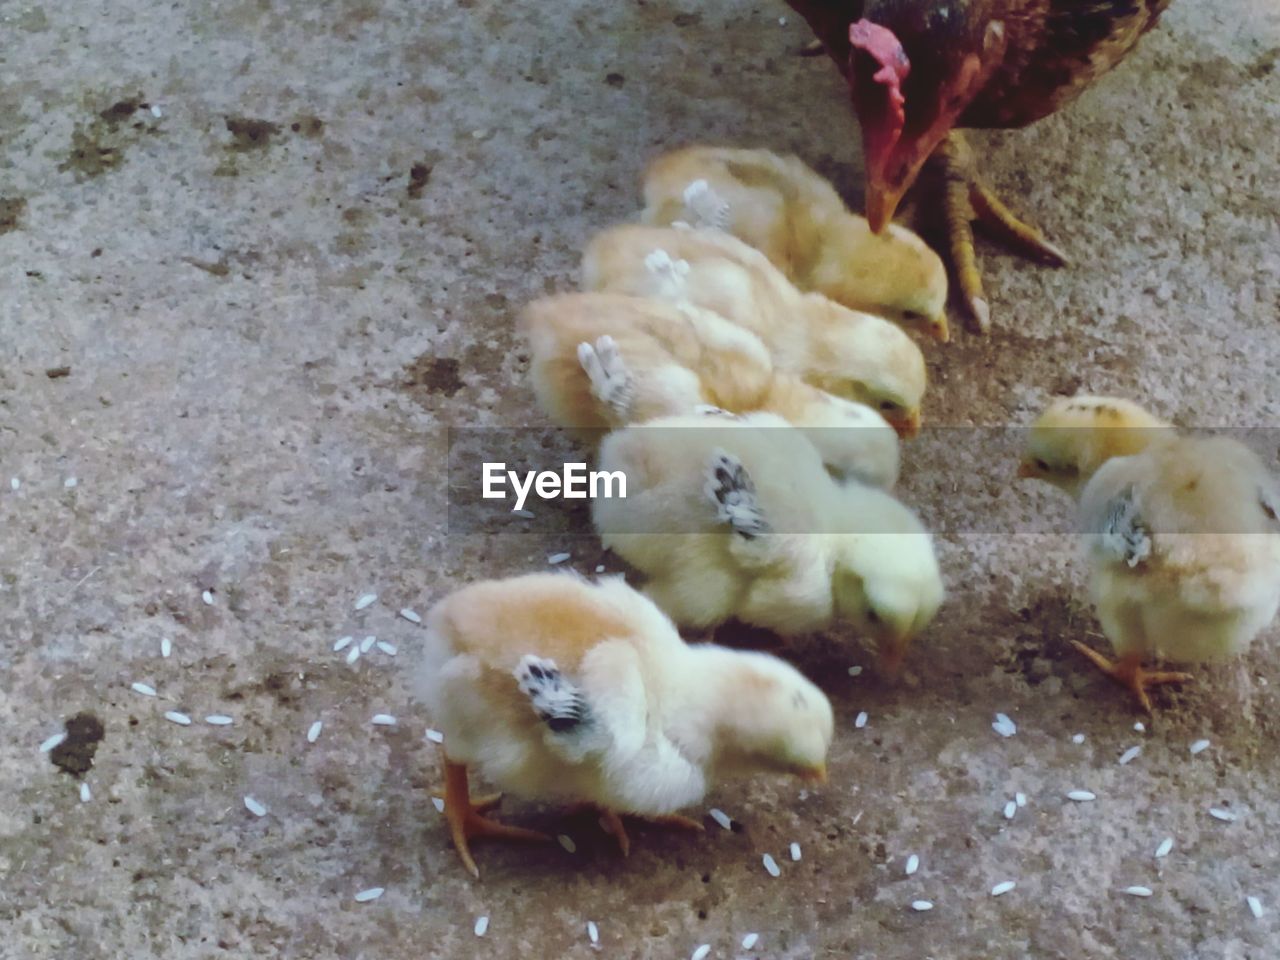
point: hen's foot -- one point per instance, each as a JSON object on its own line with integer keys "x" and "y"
{"x": 466, "y": 822}
{"x": 966, "y": 200}
{"x": 1129, "y": 673}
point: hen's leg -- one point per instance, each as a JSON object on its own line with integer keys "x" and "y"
{"x": 966, "y": 199}
{"x": 1129, "y": 673}
{"x": 465, "y": 821}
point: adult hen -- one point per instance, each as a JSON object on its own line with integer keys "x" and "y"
{"x": 920, "y": 69}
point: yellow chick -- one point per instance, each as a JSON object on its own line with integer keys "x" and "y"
{"x": 1181, "y": 534}
{"x": 850, "y": 354}
{"x": 601, "y": 361}
{"x": 562, "y": 690}
{"x": 783, "y": 208}
{"x": 737, "y": 518}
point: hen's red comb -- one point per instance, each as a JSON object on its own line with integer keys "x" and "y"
{"x": 880, "y": 43}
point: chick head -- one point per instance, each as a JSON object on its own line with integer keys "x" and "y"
{"x": 1076, "y": 435}
{"x": 869, "y": 360}
{"x": 782, "y": 722}
{"x": 907, "y": 279}
{"x": 885, "y": 580}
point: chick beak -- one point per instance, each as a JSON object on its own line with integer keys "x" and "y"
{"x": 892, "y": 650}
{"x": 940, "y": 330}
{"x": 907, "y": 425}
{"x": 1026, "y": 471}
{"x": 816, "y": 774}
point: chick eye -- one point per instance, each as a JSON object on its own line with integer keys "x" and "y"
{"x": 911, "y": 316}
{"x": 888, "y": 405}
{"x": 1041, "y": 465}
{"x": 872, "y": 616}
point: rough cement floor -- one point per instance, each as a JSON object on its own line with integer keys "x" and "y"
{"x": 276, "y": 293}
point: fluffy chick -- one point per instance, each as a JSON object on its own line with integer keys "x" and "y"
{"x": 1181, "y": 534}
{"x": 845, "y": 352}
{"x": 736, "y": 518}
{"x": 563, "y": 690}
{"x": 601, "y": 361}
{"x": 783, "y": 208}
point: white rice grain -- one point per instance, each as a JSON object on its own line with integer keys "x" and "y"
{"x": 524, "y": 514}
{"x": 795, "y": 852}
{"x": 254, "y": 807}
{"x": 860, "y": 720}
{"x": 1255, "y": 907}
{"x": 438, "y": 803}
{"x": 1220, "y": 814}
{"x": 155, "y": 112}
{"x": 207, "y": 597}
{"x": 1199, "y": 747}
{"x": 367, "y": 644}
{"x": 1082, "y": 796}
{"x": 143, "y": 688}
{"x": 922, "y": 906}
{"x": 566, "y": 841}
{"x": 14, "y": 483}
{"x": 1140, "y": 727}
{"x": 181, "y": 719}
{"x": 390, "y": 649}
{"x": 313, "y": 731}
{"x": 913, "y": 864}
{"x": 435, "y": 736}
{"x": 1138, "y": 891}
{"x": 557, "y": 558}
{"x": 373, "y": 893}
{"x": 750, "y": 940}
{"x": 1166, "y": 845}
{"x": 70, "y": 482}
{"x": 1020, "y": 799}
{"x": 166, "y": 647}
{"x": 600, "y": 568}
{"x": 1129, "y": 755}
{"x": 411, "y": 615}
{"x": 367, "y": 600}
{"x": 593, "y": 932}
{"x": 52, "y": 742}
{"x": 771, "y": 865}
{"x": 720, "y": 817}
{"x": 855, "y": 671}
{"x": 1010, "y": 809}
{"x": 1004, "y": 726}
{"x": 85, "y": 793}
{"x": 342, "y": 643}
{"x": 383, "y": 720}
{"x": 482, "y": 926}
{"x": 1000, "y": 889}
{"x": 1077, "y": 738}
{"x": 701, "y": 952}
{"x": 354, "y": 655}
{"x": 218, "y": 720}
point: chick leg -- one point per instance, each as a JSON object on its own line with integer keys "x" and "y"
{"x": 465, "y": 821}
{"x": 966, "y": 199}
{"x": 733, "y": 492}
{"x": 1129, "y": 673}
{"x": 611, "y": 823}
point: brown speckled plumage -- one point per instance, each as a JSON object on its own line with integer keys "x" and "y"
{"x": 1054, "y": 48}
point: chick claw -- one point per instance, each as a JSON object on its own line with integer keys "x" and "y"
{"x": 612, "y": 824}
{"x": 466, "y": 823}
{"x": 1128, "y": 672}
{"x": 611, "y": 381}
{"x": 731, "y": 489}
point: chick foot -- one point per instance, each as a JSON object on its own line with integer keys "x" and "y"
{"x": 611, "y": 381}
{"x": 965, "y": 200}
{"x": 1129, "y": 673}
{"x": 466, "y": 822}
{"x": 612, "y": 824}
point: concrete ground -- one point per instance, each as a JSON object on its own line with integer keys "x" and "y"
{"x": 278, "y": 249}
